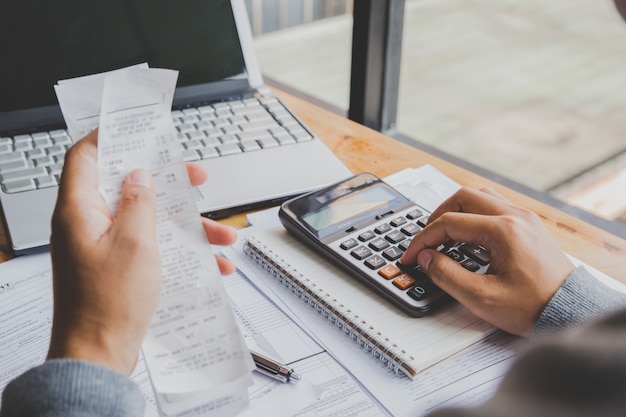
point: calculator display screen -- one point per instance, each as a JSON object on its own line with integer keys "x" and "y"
{"x": 352, "y": 207}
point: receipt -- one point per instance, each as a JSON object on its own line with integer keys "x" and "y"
{"x": 194, "y": 350}
{"x": 81, "y": 101}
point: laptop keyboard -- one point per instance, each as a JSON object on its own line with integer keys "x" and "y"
{"x": 29, "y": 162}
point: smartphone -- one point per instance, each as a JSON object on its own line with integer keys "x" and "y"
{"x": 364, "y": 225}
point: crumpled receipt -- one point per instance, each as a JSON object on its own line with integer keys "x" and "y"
{"x": 194, "y": 350}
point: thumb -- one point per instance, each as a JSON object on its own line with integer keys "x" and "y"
{"x": 447, "y": 274}
{"x": 136, "y": 211}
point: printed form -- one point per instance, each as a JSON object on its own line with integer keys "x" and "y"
{"x": 194, "y": 350}
{"x": 326, "y": 389}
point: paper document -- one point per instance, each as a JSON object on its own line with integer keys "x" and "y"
{"x": 81, "y": 101}
{"x": 193, "y": 349}
{"x": 465, "y": 379}
{"x": 326, "y": 389}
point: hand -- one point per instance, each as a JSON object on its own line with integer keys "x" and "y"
{"x": 107, "y": 270}
{"x": 527, "y": 268}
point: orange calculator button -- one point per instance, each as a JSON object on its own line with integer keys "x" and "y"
{"x": 389, "y": 271}
{"x": 403, "y": 281}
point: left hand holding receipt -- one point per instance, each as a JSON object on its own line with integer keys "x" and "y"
{"x": 189, "y": 339}
{"x": 102, "y": 263}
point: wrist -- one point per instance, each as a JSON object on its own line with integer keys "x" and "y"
{"x": 93, "y": 345}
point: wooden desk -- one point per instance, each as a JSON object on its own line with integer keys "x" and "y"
{"x": 363, "y": 149}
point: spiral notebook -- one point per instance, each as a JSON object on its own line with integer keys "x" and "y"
{"x": 405, "y": 344}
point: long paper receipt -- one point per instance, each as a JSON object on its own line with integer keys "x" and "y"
{"x": 194, "y": 350}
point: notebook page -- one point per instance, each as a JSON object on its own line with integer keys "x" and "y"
{"x": 426, "y": 340}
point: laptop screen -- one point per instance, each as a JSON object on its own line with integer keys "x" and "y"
{"x": 45, "y": 41}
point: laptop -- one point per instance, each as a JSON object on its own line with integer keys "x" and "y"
{"x": 254, "y": 159}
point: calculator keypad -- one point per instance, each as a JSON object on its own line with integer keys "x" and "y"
{"x": 377, "y": 249}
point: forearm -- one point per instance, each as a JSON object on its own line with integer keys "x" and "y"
{"x": 581, "y": 299}
{"x": 72, "y": 388}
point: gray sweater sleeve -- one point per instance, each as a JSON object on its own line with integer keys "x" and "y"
{"x": 578, "y": 373}
{"x": 581, "y": 299}
{"x": 72, "y": 388}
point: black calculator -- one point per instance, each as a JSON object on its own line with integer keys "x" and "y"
{"x": 364, "y": 225}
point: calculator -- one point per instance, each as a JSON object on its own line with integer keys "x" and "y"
{"x": 364, "y": 225}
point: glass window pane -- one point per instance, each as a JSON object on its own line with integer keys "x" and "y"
{"x": 533, "y": 89}
{"x": 308, "y": 47}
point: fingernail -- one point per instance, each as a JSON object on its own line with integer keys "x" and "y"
{"x": 140, "y": 177}
{"x": 424, "y": 258}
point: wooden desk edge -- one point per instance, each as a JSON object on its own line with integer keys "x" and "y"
{"x": 363, "y": 149}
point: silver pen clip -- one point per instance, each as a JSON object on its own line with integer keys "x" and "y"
{"x": 274, "y": 369}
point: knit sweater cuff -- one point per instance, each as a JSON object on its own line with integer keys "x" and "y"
{"x": 581, "y": 298}
{"x": 72, "y": 388}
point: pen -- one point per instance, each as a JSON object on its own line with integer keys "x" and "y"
{"x": 274, "y": 369}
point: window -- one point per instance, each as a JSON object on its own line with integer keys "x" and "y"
{"x": 531, "y": 90}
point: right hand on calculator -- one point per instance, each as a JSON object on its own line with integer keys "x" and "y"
{"x": 527, "y": 267}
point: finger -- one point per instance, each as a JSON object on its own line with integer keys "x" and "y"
{"x": 226, "y": 266}
{"x": 137, "y": 207}
{"x": 218, "y": 233}
{"x": 457, "y": 227}
{"x": 471, "y": 200}
{"x": 197, "y": 173}
{"x": 493, "y": 193}
{"x": 447, "y": 274}
{"x": 80, "y": 169}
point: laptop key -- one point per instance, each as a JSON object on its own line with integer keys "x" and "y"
{"x": 47, "y": 181}
{"x": 257, "y": 135}
{"x": 229, "y": 149}
{"x": 36, "y": 153}
{"x": 14, "y": 166}
{"x": 229, "y": 139}
{"x": 258, "y": 125}
{"x": 250, "y": 145}
{"x": 190, "y": 155}
{"x": 56, "y": 169}
{"x": 11, "y": 157}
{"x": 43, "y": 161}
{"x": 19, "y": 185}
{"x": 23, "y": 146}
{"x": 42, "y": 143}
{"x": 24, "y": 174}
{"x": 302, "y": 136}
{"x": 285, "y": 139}
{"x": 268, "y": 142}
{"x": 208, "y": 152}
{"x": 56, "y": 150}
{"x": 193, "y": 145}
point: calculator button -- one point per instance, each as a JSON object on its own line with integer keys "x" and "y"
{"x": 404, "y": 245}
{"x": 375, "y": 262}
{"x": 383, "y": 228}
{"x": 379, "y": 244}
{"x": 423, "y": 221}
{"x": 403, "y": 281}
{"x": 395, "y": 237}
{"x": 414, "y": 214}
{"x": 392, "y": 253}
{"x": 477, "y": 253}
{"x": 361, "y": 252}
{"x": 399, "y": 221}
{"x": 411, "y": 229}
{"x": 413, "y": 270}
{"x": 455, "y": 254}
{"x": 365, "y": 236}
{"x": 389, "y": 271}
{"x": 419, "y": 292}
{"x": 348, "y": 244}
{"x": 470, "y": 265}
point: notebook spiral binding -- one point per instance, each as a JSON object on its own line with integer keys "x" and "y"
{"x": 359, "y": 331}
